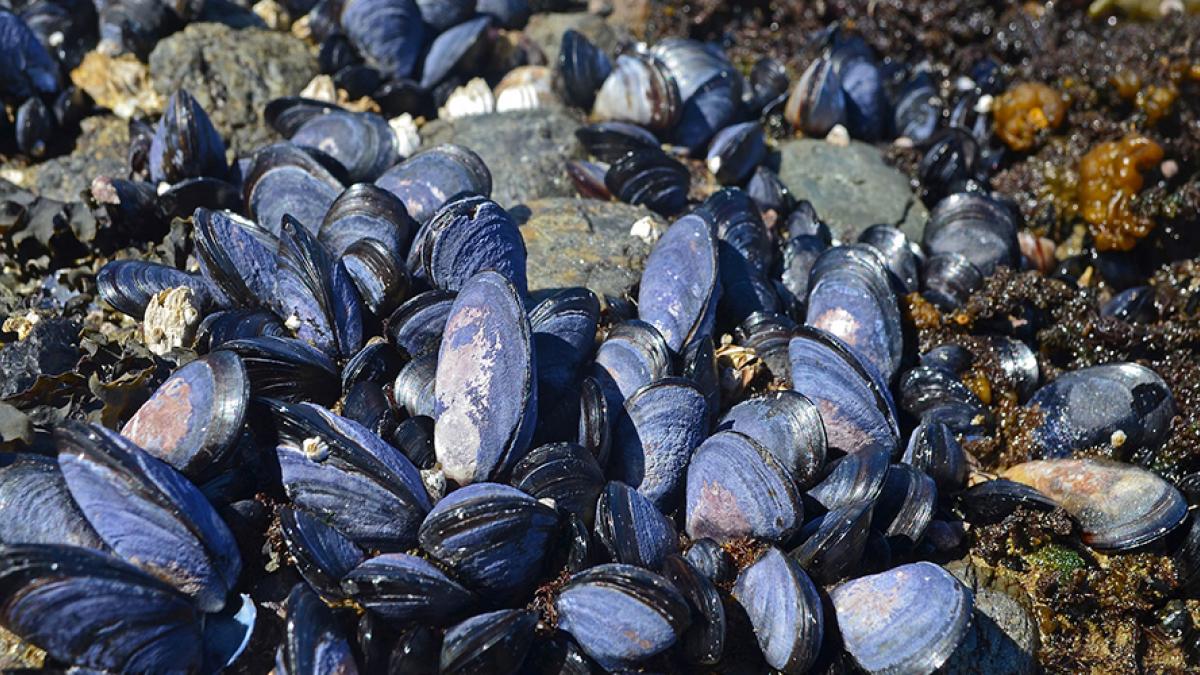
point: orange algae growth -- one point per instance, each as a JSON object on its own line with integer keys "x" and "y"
{"x": 1109, "y": 177}
{"x": 1026, "y": 109}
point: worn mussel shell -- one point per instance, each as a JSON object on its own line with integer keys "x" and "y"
{"x": 638, "y": 90}
{"x": 906, "y": 620}
{"x": 736, "y": 151}
{"x": 784, "y": 609}
{"x": 905, "y": 506}
{"x": 323, "y": 556}
{"x": 312, "y": 640}
{"x": 1118, "y": 506}
{"x": 737, "y": 488}
{"x": 35, "y": 506}
{"x": 186, "y": 144}
{"x": 788, "y": 425}
{"x": 327, "y": 462}
{"x": 565, "y": 473}
{"x": 680, "y": 283}
{"x": 404, "y": 588}
{"x": 1124, "y": 406}
{"x": 128, "y": 285}
{"x": 486, "y": 403}
{"x": 362, "y": 142}
{"x": 662, "y": 424}
{"x": 470, "y": 234}
{"x": 817, "y": 102}
{"x": 582, "y": 69}
{"x": 496, "y": 642}
{"x": 285, "y": 179}
{"x": 286, "y": 369}
{"x": 621, "y": 615}
{"x": 631, "y": 529}
{"x": 425, "y": 181}
{"x": 193, "y": 419}
{"x": 389, "y": 34}
{"x": 975, "y": 226}
{"x": 94, "y": 610}
{"x": 493, "y": 537}
{"x": 651, "y": 178}
{"x": 149, "y": 513}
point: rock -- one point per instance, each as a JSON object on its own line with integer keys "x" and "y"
{"x": 233, "y": 74}
{"x": 51, "y": 348}
{"x": 102, "y": 149}
{"x": 583, "y": 242}
{"x": 1003, "y": 637}
{"x": 632, "y": 15}
{"x": 850, "y": 187}
{"x": 119, "y": 83}
{"x": 14, "y": 425}
{"x": 525, "y": 150}
{"x": 546, "y": 30}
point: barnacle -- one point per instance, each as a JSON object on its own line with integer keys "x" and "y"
{"x": 1109, "y": 177}
{"x": 1026, "y": 109}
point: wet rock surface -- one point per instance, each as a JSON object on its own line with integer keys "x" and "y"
{"x": 546, "y": 30}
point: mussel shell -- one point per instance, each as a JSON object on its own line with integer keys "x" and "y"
{"x": 925, "y": 387}
{"x": 1132, "y": 305}
{"x": 651, "y": 178}
{"x": 817, "y": 102}
{"x": 610, "y": 141}
{"x": 286, "y": 369}
{"x": 588, "y": 179}
{"x": 186, "y": 144}
{"x": 632, "y": 529}
{"x": 220, "y": 327}
{"x": 148, "y": 513}
{"x": 713, "y": 107}
{"x": 414, "y": 437}
{"x": 406, "y": 589}
{"x": 680, "y": 283}
{"x": 565, "y": 473}
{"x": 236, "y": 257}
{"x": 633, "y": 355}
{"x": 322, "y": 555}
{"x": 784, "y": 610}
{"x": 769, "y": 192}
{"x": 852, "y": 478}
{"x": 425, "y": 181}
{"x": 736, "y": 488}
{"x": 362, "y": 143}
{"x": 389, "y": 34}
{"x": 832, "y": 545}
{"x": 128, "y": 285}
{"x": 28, "y": 68}
{"x": 1125, "y": 406}
{"x": 376, "y": 363}
{"x": 91, "y": 609}
{"x": 918, "y": 109}
{"x": 36, "y": 508}
{"x": 638, "y": 90}
{"x": 905, "y": 506}
{"x": 35, "y": 128}
{"x": 768, "y": 81}
{"x": 949, "y": 279}
{"x": 416, "y": 327}
{"x": 493, "y": 537}
{"x": 327, "y": 461}
{"x": 442, "y": 14}
{"x": 486, "y": 391}
{"x": 621, "y": 615}
{"x": 312, "y": 640}
{"x": 899, "y": 255}
{"x": 288, "y": 113}
{"x": 457, "y": 48}
{"x": 711, "y": 560}
{"x": 495, "y": 642}
{"x": 1118, "y": 506}
{"x": 193, "y": 419}
{"x": 582, "y": 69}
{"x": 736, "y": 151}
{"x": 769, "y": 334}
{"x": 470, "y": 234}
{"x": 800, "y": 254}
{"x": 906, "y": 620}
{"x": 704, "y": 641}
{"x": 284, "y": 179}
{"x": 413, "y": 389}
{"x": 994, "y": 500}
{"x": 740, "y": 226}
{"x": 976, "y": 227}
{"x": 663, "y": 422}
{"x": 564, "y": 335}
{"x": 594, "y": 426}
{"x": 378, "y": 274}
{"x": 933, "y": 449}
{"x": 700, "y": 366}
{"x": 868, "y": 114}
{"x": 692, "y": 64}
{"x": 507, "y": 14}
{"x": 789, "y": 426}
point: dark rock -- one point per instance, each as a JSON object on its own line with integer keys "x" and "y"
{"x": 32, "y": 226}
{"x": 850, "y": 187}
{"x": 101, "y": 150}
{"x": 583, "y": 242}
{"x": 233, "y": 74}
{"x": 51, "y": 348}
{"x": 526, "y": 150}
{"x": 545, "y": 30}
{"x": 1003, "y": 637}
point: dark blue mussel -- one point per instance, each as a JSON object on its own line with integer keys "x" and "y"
{"x": 315, "y": 293}
{"x": 94, "y": 610}
{"x": 651, "y": 178}
{"x": 494, "y": 642}
{"x": 35, "y": 128}
{"x": 622, "y": 615}
{"x": 362, "y": 143}
{"x": 460, "y": 47}
{"x": 186, "y": 144}
{"x": 286, "y": 369}
{"x": 735, "y": 152}
{"x": 631, "y": 529}
{"x": 784, "y": 610}
{"x": 610, "y": 141}
{"x": 323, "y": 556}
{"x": 704, "y": 641}
{"x": 582, "y": 68}
{"x": 425, "y": 181}
{"x": 507, "y": 14}
{"x": 416, "y": 327}
{"x": 736, "y": 488}
{"x": 680, "y": 285}
{"x": 486, "y": 389}
{"x": 711, "y": 560}
{"x": 855, "y": 477}
{"x": 312, "y": 640}
{"x": 975, "y": 226}
{"x": 327, "y": 461}
{"x": 404, "y": 588}
{"x": 368, "y": 228}
{"x": 633, "y": 355}
{"x": 389, "y": 34}
{"x": 469, "y": 234}
{"x": 744, "y": 256}
{"x": 235, "y": 324}
{"x": 566, "y": 473}
{"x": 492, "y": 537}
{"x": 285, "y": 179}
{"x": 442, "y": 14}
{"x": 710, "y": 89}
{"x": 413, "y": 389}
{"x": 789, "y": 426}
{"x": 817, "y": 102}
{"x": 128, "y": 285}
{"x": 36, "y": 508}
{"x": 148, "y": 513}
{"x": 662, "y": 424}
{"x": 564, "y": 336}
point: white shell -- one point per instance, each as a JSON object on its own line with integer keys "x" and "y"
{"x": 473, "y": 98}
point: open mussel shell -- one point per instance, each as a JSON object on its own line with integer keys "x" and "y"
{"x": 286, "y": 369}
{"x": 362, "y": 142}
{"x": 933, "y": 449}
{"x": 817, "y": 102}
{"x": 493, "y": 537}
{"x": 704, "y": 641}
{"x": 416, "y": 327}
{"x": 905, "y": 506}
{"x": 322, "y": 555}
{"x": 565, "y": 473}
{"x": 94, "y": 610}
{"x": 313, "y": 642}
{"x": 662, "y": 424}
{"x": 854, "y": 401}
{"x": 486, "y": 403}
{"x": 236, "y": 324}
{"x": 285, "y": 179}
{"x": 1123, "y": 406}
{"x": 736, "y": 488}
{"x": 389, "y": 34}
{"x": 404, "y": 588}
{"x": 193, "y": 419}
{"x": 638, "y": 90}
{"x": 495, "y": 642}
{"x": 458, "y": 48}
{"x": 148, "y": 513}
{"x": 631, "y": 529}
{"x": 789, "y": 426}
{"x": 327, "y": 461}
{"x": 736, "y": 151}
{"x": 470, "y": 234}
{"x": 680, "y": 284}
{"x": 186, "y": 144}
{"x": 610, "y": 141}
{"x": 35, "y": 506}
{"x": 651, "y": 178}
{"x": 1118, "y": 506}
{"x": 833, "y": 545}
{"x": 425, "y": 181}
{"x": 316, "y": 293}
{"x": 622, "y": 615}
{"x": 582, "y": 69}
{"x": 906, "y": 620}
{"x": 128, "y": 285}
{"x": 784, "y": 610}
{"x": 975, "y": 226}
{"x": 851, "y": 297}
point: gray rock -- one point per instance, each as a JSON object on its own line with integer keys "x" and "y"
{"x": 525, "y": 150}
{"x": 545, "y": 30}
{"x": 851, "y": 187}
{"x": 233, "y": 74}
{"x": 1003, "y": 637}
{"x": 102, "y": 149}
{"x": 583, "y": 242}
